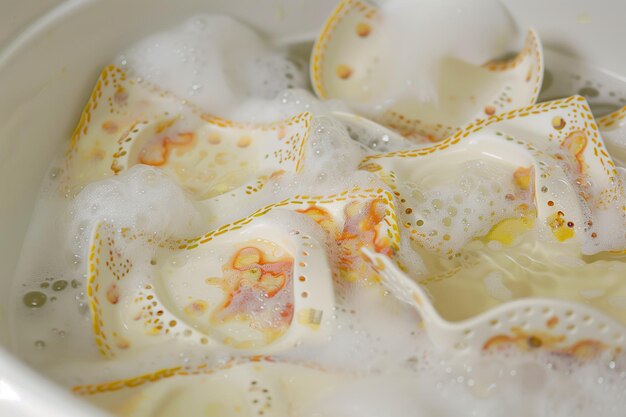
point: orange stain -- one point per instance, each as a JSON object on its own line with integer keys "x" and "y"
{"x": 110, "y": 127}
{"x": 244, "y": 142}
{"x": 249, "y": 276}
{"x": 575, "y": 143}
{"x": 561, "y": 229}
{"x": 585, "y": 349}
{"x": 523, "y": 177}
{"x": 156, "y": 153}
{"x": 121, "y": 96}
{"x": 215, "y": 138}
{"x": 196, "y": 308}
{"x": 113, "y": 294}
{"x": 363, "y": 29}
{"x": 558, "y": 123}
{"x": 524, "y": 341}
{"x": 344, "y": 72}
{"x": 321, "y": 217}
{"x": 362, "y": 228}
{"x": 552, "y": 322}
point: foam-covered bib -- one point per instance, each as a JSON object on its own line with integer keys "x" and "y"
{"x": 128, "y": 122}
{"x": 253, "y": 286}
{"x": 351, "y": 62}
{"x": 536, "y": 324}
{"x": 552, "y": 161}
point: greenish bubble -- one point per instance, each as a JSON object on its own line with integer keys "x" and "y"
{"x": 75, "y": 284}
{"x": 55, "y": 172}
{"x": 589, "y": 92}
{"x": 34, "y": 299}
{"x": 44, "y": 285}
{"x": 548, "y": 79}
{"x": 40, "y": 344}
{"x": 83, "y": 308}
{"x": 59, "y": 285}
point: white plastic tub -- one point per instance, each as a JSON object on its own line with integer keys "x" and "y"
{"x": 48, "y": 69}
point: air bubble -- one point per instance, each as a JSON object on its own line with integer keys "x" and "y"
{"x": 34, "y": 299}
{"x": 59, "y": 285}
{"x": 55, "y": 172}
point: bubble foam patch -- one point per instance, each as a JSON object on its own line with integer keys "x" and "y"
{"x": 558, "y": 163}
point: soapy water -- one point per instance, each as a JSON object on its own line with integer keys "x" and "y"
{"x": 564, "y": 75}
{"x": 227, "y": 69}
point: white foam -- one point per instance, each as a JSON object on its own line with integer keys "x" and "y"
{"x": 142, "y": 198}
{"x": 215, "y": 62}
{"x": 284, "y": 105}
{"x": 463, "y": 202}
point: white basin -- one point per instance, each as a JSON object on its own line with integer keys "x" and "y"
{"x": 47, "y": 69}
